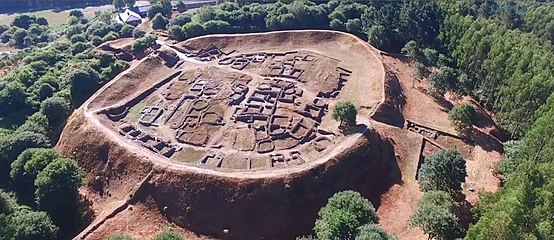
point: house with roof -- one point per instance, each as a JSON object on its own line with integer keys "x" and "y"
{"x": 133, "y": 15}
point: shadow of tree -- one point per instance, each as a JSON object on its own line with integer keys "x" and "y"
{"x": 486, "y": 141}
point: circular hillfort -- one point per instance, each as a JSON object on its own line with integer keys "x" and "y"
{"x": 245, "y": 103}
{"x": 234, "y": 132}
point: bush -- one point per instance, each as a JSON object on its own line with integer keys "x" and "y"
{"x": 110, "y": 36}
{"x": 120, "y": 237}
{"x": 78, "y": 38}
{"x": 126, "y": 31}
{"x": 143, "y": 43}
{"x": 168, "y": 235}
{"x": 138, "y": 33}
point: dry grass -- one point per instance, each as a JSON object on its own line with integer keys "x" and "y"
{"x": 189, "y": 155}
{"x": 53, "y": 18}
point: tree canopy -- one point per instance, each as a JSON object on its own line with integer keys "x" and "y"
{"x": 343, "y": 215}
{"x": 345, "y": 113}
{"x": 435, "y": 215}
{"x": 443, "y": 171}
{"x": 463, "y": 116}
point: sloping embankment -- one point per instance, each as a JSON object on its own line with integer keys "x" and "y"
{"x": 273, "y": 208}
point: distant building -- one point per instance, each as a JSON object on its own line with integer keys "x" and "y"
{"x": 130, "y": 17}
{"x": 134, "y": 15}
{"x": 197, "y": 3}
{"x": 141, "y": 10}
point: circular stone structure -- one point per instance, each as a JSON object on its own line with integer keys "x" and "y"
{"x": 236, "y": 133}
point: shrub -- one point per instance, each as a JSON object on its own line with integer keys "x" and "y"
{"x": 168, "y": 235}
{"x": 143, "y": 43}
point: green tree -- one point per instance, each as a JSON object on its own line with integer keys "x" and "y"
{"x": 181, "y": 7}
{"x": 143, "y": 43}
{"x": 444, "y": 80}
{"x": 76, "y": 13}
{"x": 138, "y": 33}
{"x": 13, "y": 98}
{"x": 216, "y": 26}
{"x": 84, "y": 82}
{"x": 193, "y": 29}
{"x": 8, "y": 202}
{"x": 160, "y": 6}
{"x": 24, "y": 21}
{"x": 159, "y": 21}
{"x": 175, "y": 32}
{"x": 42, "y": 21}
{"x": 30, "y": 225}
{"x": 336, "y": 224}
{"x": 420, "y": 70}
{"x": 413, "y": 50}
{"x": 56, "y": 193}
{"x": 181, "y": 19}
{"x": 345, "y": 112}
{"x": 118, "y": 4}
{"x": 435, "y": 215}
{"x": 78, "y": 38}
{"x": 372, "y": 232}
{"x": 130, "y": 3}
{"x": 14, "y": 144}
{"x": 168, "y": 235}
{"x": 431, "y": 56}
{"x": 463, "y": 116}
{"x": 344, "y": 213}
{"x": 443, "y": 171}
{"x": 126, "y": 31}
{"x": 29, "y": 164}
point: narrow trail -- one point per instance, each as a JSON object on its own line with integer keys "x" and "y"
{"x": 120, "y": 207}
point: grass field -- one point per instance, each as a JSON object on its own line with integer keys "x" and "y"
{"x": 55, "y": 18}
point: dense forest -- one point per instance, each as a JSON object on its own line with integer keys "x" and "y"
{"x": 500, "y": 52}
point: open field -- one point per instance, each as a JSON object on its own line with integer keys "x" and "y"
{"x": 55, "y": 18}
